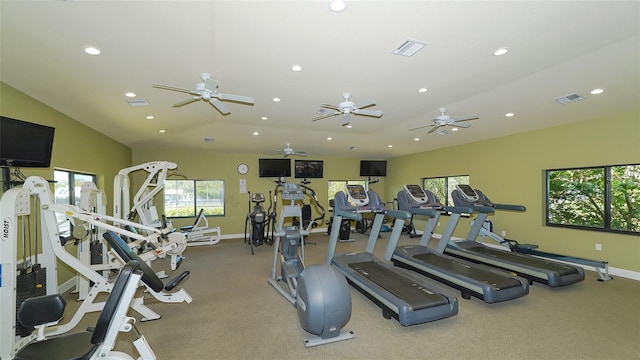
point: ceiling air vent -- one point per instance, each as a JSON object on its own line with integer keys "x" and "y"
{"x": 568, "y": 99}
{"x": 409, "y": 47}
{"x": 209, "y": 139}
{"x": 137, "y": 102}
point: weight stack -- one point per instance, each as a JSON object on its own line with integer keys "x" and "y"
{"x": 29, "y": 284}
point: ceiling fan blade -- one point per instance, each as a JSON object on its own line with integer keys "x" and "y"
{"x": 325, "y": 116}
{"x": 301, "y": 153}
{"x": 374, "y": 113}
{"x": 187, "y": 101}
{"x": 364, "y": 104}
{"x": 219, "y": 106}
{"x": 236, "y": 98}
{"x": 211, "y": 85}
{"x": 466, "y": 118}
{"x": 164, "y": 87}
{"x": 329, "y": 106}
{"x": 460, "y": 125}
{"x": 421, "y": 127}
{"x": 435, "y": 128}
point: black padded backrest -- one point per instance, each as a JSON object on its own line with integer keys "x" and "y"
{"x": 200, "y": 215}
{"x": 111, "y": 305}
{"x": 126, "y": 253}
{"x": 41, "y": 310}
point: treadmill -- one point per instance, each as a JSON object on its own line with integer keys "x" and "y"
{"x": 398, "y": 293}
{"x": 483, "y": 282}
{"x": 549, "y": 272}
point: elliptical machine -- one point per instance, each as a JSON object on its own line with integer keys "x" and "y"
{"x": 319, "y": 292}
{"x": 257, "y": 222}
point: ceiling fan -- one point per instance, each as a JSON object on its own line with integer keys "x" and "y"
{"x": 288, "y": 151}
{"x": 208, "y": 91}
{"x": 446, "y": 120}
{"x": 346, "y": 108}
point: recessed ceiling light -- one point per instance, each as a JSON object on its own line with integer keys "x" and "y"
{"x": 130, "y": 94}
{"x": 597, "y": 91}
{"x": 349, "y": 126}
{"x": 337, "y": 5}
{"x": 150, "y": 117}
{"x": 162, "y": 131}
{"x": 454, "y": 129}
{"x": 264, "y": 118}
{"x": 91, "y": 50}
{"x": 389, "y": 146}
{"x": 256, "y": 133}
{"x": 276, "y": 99}
{"x": 329, "y": 138}
{"x": 509, "y": 114}
{"x": 416, "y": 139}
{"x": 422, "y": 90}
{"x": 296, "y": 68}
{"x": 500, "y": 51}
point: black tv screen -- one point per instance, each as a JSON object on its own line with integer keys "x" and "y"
{"x": 25, "y": 144}
{"x": 373, "y": 167}
{"x": 308, "y": 169}
{"x": 274, "y": 167}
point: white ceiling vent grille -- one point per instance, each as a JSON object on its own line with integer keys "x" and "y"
{"x": 137, "y": 102}
{"x": 409, "y": 47}
{"x": 568, "y": 99}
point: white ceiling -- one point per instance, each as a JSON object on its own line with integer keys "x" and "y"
{"x": 556, "y": 48}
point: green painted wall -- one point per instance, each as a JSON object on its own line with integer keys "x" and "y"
{"x": 76, "y": 147}
{"x": 511, "y": 170}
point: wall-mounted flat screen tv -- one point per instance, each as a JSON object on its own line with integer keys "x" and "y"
{"x": 308, "y": 169}
{"x": 373, "y": 167}
{"x": 274, "y": 167}
{"x": 25, "y": 144}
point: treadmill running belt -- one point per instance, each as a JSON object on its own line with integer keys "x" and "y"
{"x": 416, "y": 295}
{"x": 473, "y": 272}
{"x": 525, "y": 260}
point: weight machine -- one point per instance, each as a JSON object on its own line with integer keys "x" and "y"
{"x": 15, "y": 208}
{"x": 143, "y": 203}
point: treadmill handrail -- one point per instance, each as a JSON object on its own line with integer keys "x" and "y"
{"x": 349, "y": 214}
{"x": 423, "y": 211}
{"x": 399, "y": 214}
{"x": 482, "y": 209}
{"x": 510, "y": 207}
{"x": 458, "y": 209}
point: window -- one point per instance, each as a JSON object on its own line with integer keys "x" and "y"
{"x": 68, "y": 185}
{"x": 443, "y": 186}
{"x": 185, "y": 198}
{"x": 603, "y": 198}
{"x": 341, "y": 185}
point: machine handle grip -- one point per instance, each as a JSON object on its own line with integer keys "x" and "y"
{"x": 483, "y": 209}
{"x": 426, "y": 212}
{"x": 348, "y": 214}
{"x": 458, "y": 209}
{"x": 175, "y": 281}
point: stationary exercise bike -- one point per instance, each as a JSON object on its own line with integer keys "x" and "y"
{"x": 319, "y": 292}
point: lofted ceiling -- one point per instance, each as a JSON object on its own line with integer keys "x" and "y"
{"x": 556, "y": 48}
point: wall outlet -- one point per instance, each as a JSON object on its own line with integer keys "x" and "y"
{"x": 598, "y": 247}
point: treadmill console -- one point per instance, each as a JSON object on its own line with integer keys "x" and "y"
{"x": 468, "y": 193}
{"x": 357, "y": 195}
{"x": 416, "y": 193}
